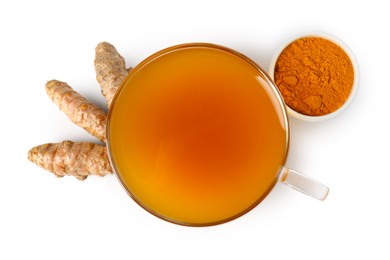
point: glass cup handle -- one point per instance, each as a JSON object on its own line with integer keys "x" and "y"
{"x": 304, "y": 184}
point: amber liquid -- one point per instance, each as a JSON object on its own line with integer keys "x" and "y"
{"x": 196, "y": 135}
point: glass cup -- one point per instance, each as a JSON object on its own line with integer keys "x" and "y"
{"x": 198, "y": 135}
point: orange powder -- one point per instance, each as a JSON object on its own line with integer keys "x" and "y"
{"x": 314, "y": 75}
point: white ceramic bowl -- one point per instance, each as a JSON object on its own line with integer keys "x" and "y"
{"x": 333, "y": 39}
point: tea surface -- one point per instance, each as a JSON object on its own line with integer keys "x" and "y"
{"x": 196, "y": 136}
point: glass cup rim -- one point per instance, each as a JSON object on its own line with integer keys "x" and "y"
{"x": 269, "y": 83}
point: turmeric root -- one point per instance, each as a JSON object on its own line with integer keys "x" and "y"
{"x": 80, "y": 111}
{"x": 110, "y": 69}
{"x": 70, "y": 158}
{"x": 83, "y": 159}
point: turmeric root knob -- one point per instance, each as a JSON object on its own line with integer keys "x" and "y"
{"x": 110, "y": 69}
{"x": 79, "y": 110}
{"x": 72, "y": 158}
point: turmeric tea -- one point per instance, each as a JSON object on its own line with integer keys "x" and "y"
{"x": 196, "y": 136}
{"x": 314, "y": 75}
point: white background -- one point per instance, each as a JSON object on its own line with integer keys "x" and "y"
{"x": 44, "y": 217}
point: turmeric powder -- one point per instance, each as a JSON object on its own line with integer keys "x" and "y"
{"x": 314, "y": 75}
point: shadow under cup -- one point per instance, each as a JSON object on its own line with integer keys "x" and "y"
{"x": 198, "y": 134}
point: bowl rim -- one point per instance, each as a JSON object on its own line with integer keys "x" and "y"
{"x": 347, "y": 50}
